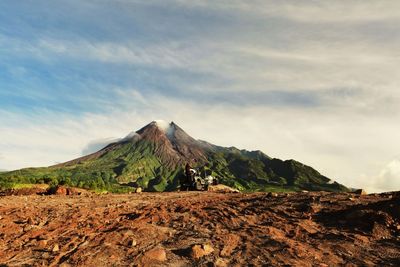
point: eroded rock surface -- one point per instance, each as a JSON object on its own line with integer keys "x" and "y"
{"x": 230, "y": 229}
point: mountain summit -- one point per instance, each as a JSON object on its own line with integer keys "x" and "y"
{"x": 154, "y": 156}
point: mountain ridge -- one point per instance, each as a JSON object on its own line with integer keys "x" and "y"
{"x": 153, "y": 158}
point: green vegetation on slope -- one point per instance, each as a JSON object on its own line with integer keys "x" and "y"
{"x": 129, "y": 166}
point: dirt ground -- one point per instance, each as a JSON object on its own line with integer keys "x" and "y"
{"x": 200, "y": 229}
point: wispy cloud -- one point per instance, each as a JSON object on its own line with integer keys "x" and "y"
{"x": 307, "y": 11}
{"x": 163, "y": 56}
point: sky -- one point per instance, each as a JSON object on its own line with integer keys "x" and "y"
{"x": 315, "y": 81}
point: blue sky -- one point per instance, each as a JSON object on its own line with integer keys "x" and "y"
{"x": 309, "y": 80}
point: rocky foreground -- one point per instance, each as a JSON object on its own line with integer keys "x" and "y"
{"x": 200, "y": 229}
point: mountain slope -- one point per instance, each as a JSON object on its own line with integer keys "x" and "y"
{"x": 154, "y": 156}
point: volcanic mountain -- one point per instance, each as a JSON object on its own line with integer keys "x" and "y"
{"x": 154, "y": 156}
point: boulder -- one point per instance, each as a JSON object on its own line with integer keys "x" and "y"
{"x": 61, "y": 190}
{"x": 220, "y": 188}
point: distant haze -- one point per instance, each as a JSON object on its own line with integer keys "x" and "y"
{"x": 316, "y": 81}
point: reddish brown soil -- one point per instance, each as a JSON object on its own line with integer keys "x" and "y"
{"x": 302, "y": 229}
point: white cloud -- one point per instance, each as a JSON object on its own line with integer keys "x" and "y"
{"x": 96, "y": 145}
{"x": 366, "y": 69}
{"x": 389, "y": 177}
{"x": 110, "y": 52}
{"x": 355, "y": 11}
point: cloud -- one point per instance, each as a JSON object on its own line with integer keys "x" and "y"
{"x": 389, "y": 177}
{"x": 109, "y": 52}
{"x": 317, "y": 136}
{"x": 353, "y": 11}
{"x": 98, "y": 144}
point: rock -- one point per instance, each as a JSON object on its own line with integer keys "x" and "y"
{"x": 208, "y": 249}
{"x": 157, "y": 254}
{"x": 46, "y": 255}
{"x": 61, "y": 190}
{"x": 42, "y": 244}
{"x": 128, "y": 233}
{"x": 30, "y": 221}
{"x": 360, "y": 192}
{"x": 56, "y": 248}
{"x": 272, "y": 194}
{"x": 58, "y": 190}
{"x": 139, "y": 190}
{"x": 198, "y": 251}
{"x": 133, "y": 243}
{"x": 220, "y": 188}
{"x": 27, "y": 228}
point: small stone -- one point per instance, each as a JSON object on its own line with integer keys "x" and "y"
{"x": 42, "y": 244}
{"x": 27, "y": 228}
{"x": 128, "y": 233}
{"x": 46, "y": 255}
{"x": 208, "y": 249}
{"x": 196, "y": 252}
{"x": 30, "y": 221}
{"x": 56, "y": 248}
{"x": 133, "y": 243}
{"x": 139, "y": 190}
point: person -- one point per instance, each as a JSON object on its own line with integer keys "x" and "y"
{"x": 187, "y": 182}
{"x": 188, "y": 173}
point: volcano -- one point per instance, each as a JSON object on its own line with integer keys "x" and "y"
{"x": 154, "y": 156}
